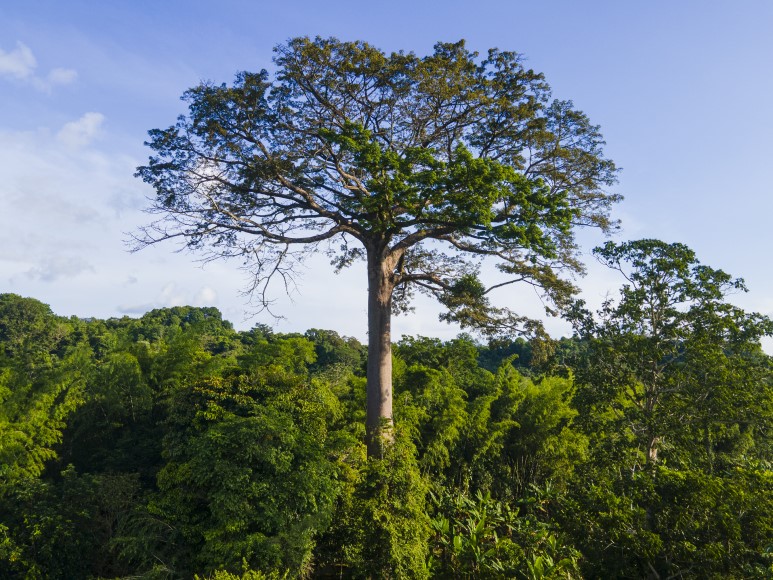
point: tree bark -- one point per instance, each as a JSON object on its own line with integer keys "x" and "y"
{"x": 652, "y": 451}
{"x": 379, "y": 423}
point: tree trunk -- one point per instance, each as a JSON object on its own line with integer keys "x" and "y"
{"x": 378, "y": 422}
{"x": 652, "y": 451}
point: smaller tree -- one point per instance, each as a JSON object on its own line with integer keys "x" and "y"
{"x": 671, "y": 355}
{"x": 674, "y": 393}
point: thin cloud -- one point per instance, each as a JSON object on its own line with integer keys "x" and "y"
{"x": 127, "y": 199}
{"x": 206, "y": 296}
{"x": 56, "y": 267}
{"x": 56, "y": 225}
{"x": 20, "y": 64}
{"x": 171, "y": 296}
{"x": 136, "y": 308}
{"x": 83, "y": 131}
{"x": 60, "y": 76}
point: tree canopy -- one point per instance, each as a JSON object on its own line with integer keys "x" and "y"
{"x": 672, "y": 350}
{"x": 391, "y": 150}
{"x": 422, "y": 166}
{"x": 173, "y": 446}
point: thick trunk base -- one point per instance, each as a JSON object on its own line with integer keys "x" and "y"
{"x": 379, "y": 424}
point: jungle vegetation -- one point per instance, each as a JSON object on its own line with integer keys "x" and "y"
{"x": 173, "y": 446}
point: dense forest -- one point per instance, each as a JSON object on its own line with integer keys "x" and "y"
{"x": 173, "y": 446}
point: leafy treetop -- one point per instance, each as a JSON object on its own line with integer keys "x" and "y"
{"x": 426, "y": 163}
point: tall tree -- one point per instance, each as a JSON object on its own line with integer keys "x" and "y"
{"x": 421, "y": 166}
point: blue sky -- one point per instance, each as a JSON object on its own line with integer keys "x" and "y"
{"x": 682, "y": 91}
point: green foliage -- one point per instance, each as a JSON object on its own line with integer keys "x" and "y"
{"x": 42, "y": 377}
{"x": 546, "y": 447}
{"x": 392, "y": 521}
{"x": 480, "y": 537}
{"x": 246, "y": 575}
{"x": 473, "y": 536}
{"x": 334, "y": 350}
{"x": 521, "y": 434}
{"x": 518, "y": 352}
{"x": 247, "y": 474}
{"x": 67, "y": 528}
{"x": 672, "y": 357}
{"x": 674, "y": 394}
{"x": 198, "y": 451}
{"x": 433, "y": 410}
{"x": 686, "y": 523}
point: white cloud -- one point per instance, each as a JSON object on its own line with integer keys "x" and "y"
{"x": 205, "y": 297}
{"x": 171, "y": 296}
{"x": 20, "y": 64}
{"x": 61, "y": 76}
{"x": 81, "y": 132}
{"x": 56, "y": 224}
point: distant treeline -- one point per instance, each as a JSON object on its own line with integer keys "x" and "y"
{"x": 173, "y": 446}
